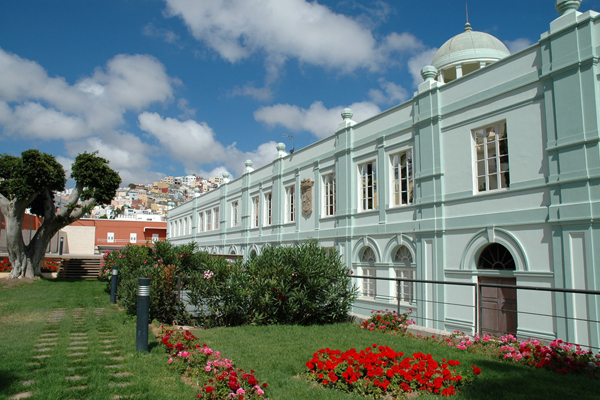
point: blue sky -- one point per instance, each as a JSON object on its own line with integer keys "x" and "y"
{"x": 173, "y": 87}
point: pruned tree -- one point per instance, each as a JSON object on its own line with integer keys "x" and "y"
{"x": 31, "y": 181}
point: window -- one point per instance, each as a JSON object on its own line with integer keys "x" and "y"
{"x": 183, "y": 226}
{"x": 290, "y": 194}
{"x": 402, "y": 180}
{"x": 216, "y": 216}
{"x": 329, "y": 195}
{"x": 368, "y": 186}
{"x": 155, "y": 237}
{"x": 368, "y": 256}
{"x": 491, "y": 147}
{"x": 268, "y": 209}
{"x": 255, "y": 212}
{"x": 133, "y": 238}
{"x": 201, "y": 222}
{"x": 404, "y": 290}
{"x": 110, "y": 237}
{"x": 235, "y": 218}
{"x": 496, "y": 256}
{"x": 208, "y": 220}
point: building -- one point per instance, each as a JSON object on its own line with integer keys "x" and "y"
{"x": 489, "y": 174}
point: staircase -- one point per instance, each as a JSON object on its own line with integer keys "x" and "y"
{"x": 80, "y": 268}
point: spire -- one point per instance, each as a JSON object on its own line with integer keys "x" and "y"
{"x": 467, "y": 25}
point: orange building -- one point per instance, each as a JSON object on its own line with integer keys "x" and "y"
{"x": 110, "y": 234}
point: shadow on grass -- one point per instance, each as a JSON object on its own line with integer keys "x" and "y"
{"x": 6, "y": 379}
{"x": 513, "y": 381}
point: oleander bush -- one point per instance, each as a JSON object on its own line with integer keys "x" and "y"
{"x": 303, "y": 284}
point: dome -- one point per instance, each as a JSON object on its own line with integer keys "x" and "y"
{"x": 469, "y": 46}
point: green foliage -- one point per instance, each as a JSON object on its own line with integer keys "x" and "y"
{"x": 98, "y": 179}
{"x": 304, "y": 284}
{"x": 24, "y": 177}
{"x": 162, "y": 262}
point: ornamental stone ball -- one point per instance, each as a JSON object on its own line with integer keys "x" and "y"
{"x": 280, "y": 146}
{"x": 248, "y": 163}
{"x": 429, "y": 72}
{"x": 347, "y": 113}
{"x": 567, "y": 6}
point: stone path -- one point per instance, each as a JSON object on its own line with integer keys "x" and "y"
{"x": 81, "y": 337}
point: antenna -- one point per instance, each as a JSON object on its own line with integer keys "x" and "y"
{"x": 467, "y": 9}
{"x": 289, "y": 136}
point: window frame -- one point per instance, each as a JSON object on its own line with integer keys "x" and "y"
{"x": 110, "y": 237}
{"x": 402, "y": 195}
{"x": 235, "y": 214}
{"x": 268, "y": 217}
{"x": 366, "y": 189}
{"x": 368, "y": 286}
{"x": 329, "y": 195}
{"x": 216, "y": 217}
{"x": 255, "y": 211}
{"x": 496, "y": 165}
{"x": 133, "y": 237}
{"x": 208, "y": 220}
{"x": 290, "y": 204}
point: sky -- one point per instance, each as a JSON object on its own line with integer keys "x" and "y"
{"x": 176, "y": 87}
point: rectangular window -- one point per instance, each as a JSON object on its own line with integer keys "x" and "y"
{"x": 133, "y": 238}
{"x": 491, "y": 147}
{"x": 255, "y": 212}
{"x": 368, "y": 284}
{"x": 216, "y": 217}
{"x": 405, "y": 290}
{"x": 208, "y": 220}
{"x": 268, "y": 209}
{"x": 235, "y": 218}
{"x": 329, "y": 195}
{"x": 110, "y": 237}
{"x": 201, "y": 222}
{"x": 155, "y": 237}
{"x": 290, "y": 194}
{"x": 368, "y": 186}
{"x": 189, "y": 225}
{"x": 402, "y": 180}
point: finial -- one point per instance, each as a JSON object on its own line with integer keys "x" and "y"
{"x": 280, "y": 146}
{"x": 567, "y": 6}
{"x": 225, "y": 174}
{"x": 347, "y": 114}
{"x": 468, "y": 27}
{"x": 429, "y": 72}
{"x": 248, "y": 163}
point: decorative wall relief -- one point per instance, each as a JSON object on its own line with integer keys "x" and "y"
{"x": 307, "y": 196}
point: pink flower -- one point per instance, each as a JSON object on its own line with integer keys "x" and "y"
{"x": 240, "y": 391}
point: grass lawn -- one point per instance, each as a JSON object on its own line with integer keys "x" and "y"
{"x": 55, "y": 318}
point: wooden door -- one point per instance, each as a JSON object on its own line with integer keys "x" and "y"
{"x": 498, "y": 310}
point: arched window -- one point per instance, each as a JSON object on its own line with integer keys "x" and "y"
{"x": 404, "y": 289}
{"x": 369, "y": 285}
{"x": 496, "y": 256}
{"x": 253, "y": 254}
{"x": 368, "y": 255}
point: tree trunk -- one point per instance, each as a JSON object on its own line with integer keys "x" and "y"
{"x": 21, "y": 263}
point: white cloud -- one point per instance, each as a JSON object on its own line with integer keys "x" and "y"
{"x": 284, "y": 29}
{"x": 153, "y": 31}
{"x": 417, "y": 62}
{"x": 517, "y": 44}
{"x": 389, "y": 93}
{"x": 317, "y": 119}
{"x": 193, "y": 144}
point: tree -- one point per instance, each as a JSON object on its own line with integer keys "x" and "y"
{"x": 31, "y": 181}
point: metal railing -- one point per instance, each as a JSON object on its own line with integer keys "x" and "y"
{"x": 565, "y": 302}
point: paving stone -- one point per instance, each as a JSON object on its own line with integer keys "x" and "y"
{"x": 77, "y": 348}
{"x": 117, "y": 358}
{"x": 107, "y": 352}
{"x": 42, "y": 356}
{"x": 23, "y": 395}
{"x": 78, "y": 388}
{"x": 48, "y": 334}
{"x": 45, "y": 344}
{"x": 75, "y": 378}
{"x": 122, "y": 384}
{"x": 74, "y": 343}
{"x": 122, "y": 374}
{"x": 113, "y": 366}
{"x": 106, "y": 341}
{"x": 43, "y": 350}
{"x": 48, "y": 340}
{"x": 78, "y": 360}
{"x": 27, "y": 383}
{"x": 78, "y": 334}
{"x": 76, "y": 354}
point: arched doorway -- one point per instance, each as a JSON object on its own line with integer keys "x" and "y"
{"x": 498, "y": 306}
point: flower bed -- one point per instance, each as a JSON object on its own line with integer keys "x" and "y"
{"x": 388, "y": 321}
{"x": 5, "y": 265}
{"x": 49, "y": 265}
{"x": 217, "y": 376}
{"x": 380, "y": 371}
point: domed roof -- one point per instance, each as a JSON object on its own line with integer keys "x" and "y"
{"x": 469, "y": 45}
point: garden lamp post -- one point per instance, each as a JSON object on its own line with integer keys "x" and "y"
{"x": 143, "y": 311}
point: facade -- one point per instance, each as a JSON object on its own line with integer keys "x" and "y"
{"x": 490, "y": 173}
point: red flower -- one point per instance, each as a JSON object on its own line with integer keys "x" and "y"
{"x": 476, "y": 370}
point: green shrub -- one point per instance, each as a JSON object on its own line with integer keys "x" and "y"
{"x": 303, "y": 284}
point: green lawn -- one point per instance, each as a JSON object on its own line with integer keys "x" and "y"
{"x": 276, "y": 353}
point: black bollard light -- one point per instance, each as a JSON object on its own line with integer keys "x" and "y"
{"x": 60, "y": 249}
{"x": 113, "y": 285}
{"x": 143, "y": 314}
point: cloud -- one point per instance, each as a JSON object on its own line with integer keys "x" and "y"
{"x": 317, "y": 119}
{"x": 188, "y": 112}
{"x": 193, "y": 144}
{"x": 288, "y": 29}
{"x": 517, "y": 44}
{"x": 261, "y": 94}
{"x": 390, "y": 93}
{"x": 417, "y": 62}
{"x": 168, "y": 36}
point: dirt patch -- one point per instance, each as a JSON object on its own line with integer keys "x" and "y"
{"x": 10, "y": 283}
{"x": 23, "y": 318}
